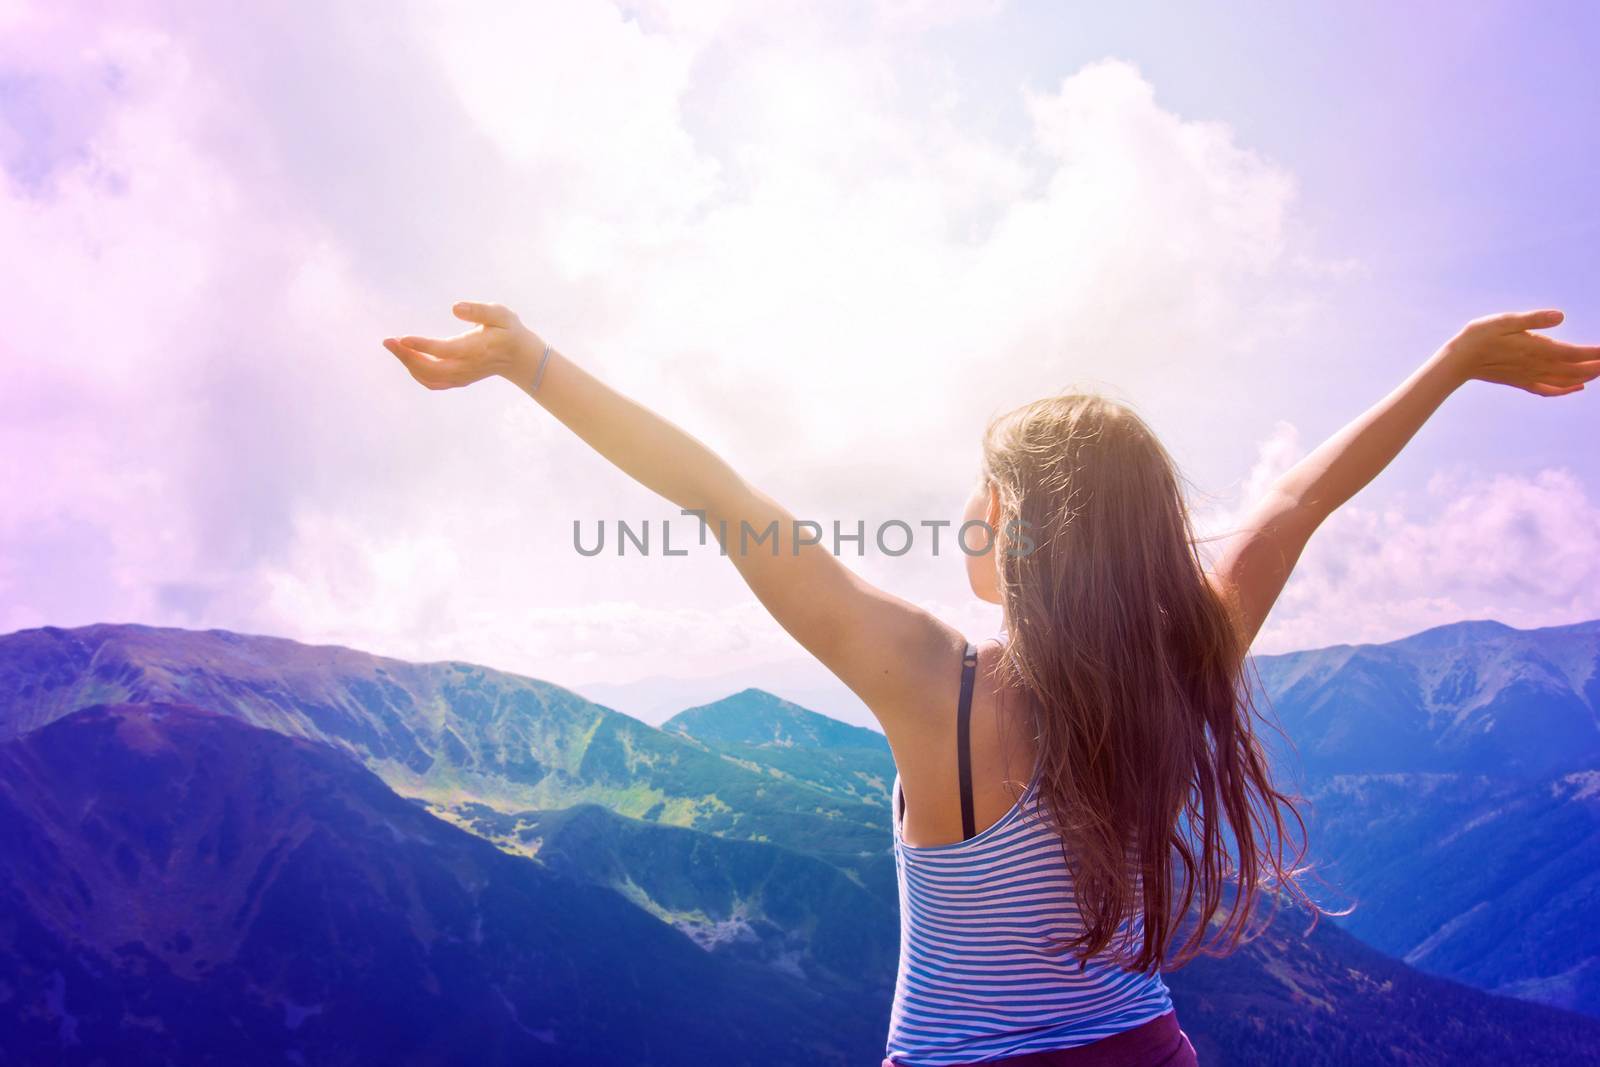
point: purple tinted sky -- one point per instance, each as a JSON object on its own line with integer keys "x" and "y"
{"x": 829, "y": 239}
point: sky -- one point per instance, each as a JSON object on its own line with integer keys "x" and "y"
{"x": 829, "y": 239}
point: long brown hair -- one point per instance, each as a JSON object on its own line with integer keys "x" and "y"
{"x": 1136, "y": 675}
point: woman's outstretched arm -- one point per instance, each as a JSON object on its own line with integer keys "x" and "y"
{"x": 1257, "y": 559}
{"x": 891, "y": 653}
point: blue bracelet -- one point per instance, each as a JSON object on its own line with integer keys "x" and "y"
{"x": 540, "y": 374}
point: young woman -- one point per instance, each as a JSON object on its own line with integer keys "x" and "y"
{"x": 1038, "y": 912}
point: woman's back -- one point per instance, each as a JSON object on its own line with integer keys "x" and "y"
{"x": 977, "y": 979}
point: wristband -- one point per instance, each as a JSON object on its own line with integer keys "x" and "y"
{"x": 540, "y": 373}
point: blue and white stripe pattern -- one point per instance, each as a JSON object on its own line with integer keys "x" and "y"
{"x": 975, "y": 982}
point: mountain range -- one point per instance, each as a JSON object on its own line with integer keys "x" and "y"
{"x": 1454, "y": 787}
{"x": 400, "y": 818}
{"x": 180, "y": 887}
{"x": 452, "y": 734}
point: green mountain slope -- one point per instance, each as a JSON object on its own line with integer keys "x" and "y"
{"x": 741, "y": 899}
{"x": 450, "y": 734}
{"x": 179, "y": 888}
{"x": 789, "y": 742}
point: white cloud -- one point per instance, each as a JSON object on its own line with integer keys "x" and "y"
{"x": 1522, "y": 550}
{"x": 748, "y": 222}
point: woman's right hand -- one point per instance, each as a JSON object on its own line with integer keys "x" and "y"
{"x": 1500, "y": 348}
{"x": 498, "y": 345}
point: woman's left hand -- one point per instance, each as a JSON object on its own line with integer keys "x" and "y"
{"x": 1505, "y": 350}
{"x": 498, "y": 345}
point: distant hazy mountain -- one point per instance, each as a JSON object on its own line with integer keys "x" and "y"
{"x": 1454, "y": 779}
{"x": 178, "y": 887}
{"x": 1472, "y": 698}
{"x": 803, "y": 681}
{"x": 787, "y": 741}
{"x": 445, "y": 733}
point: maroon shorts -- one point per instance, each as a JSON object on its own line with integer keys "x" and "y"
{"x": 1157, "y": 1043}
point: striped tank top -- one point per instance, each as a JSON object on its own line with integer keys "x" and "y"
{"x": 975, "y": 982}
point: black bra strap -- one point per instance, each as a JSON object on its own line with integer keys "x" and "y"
{"x": 969, "y": 664}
